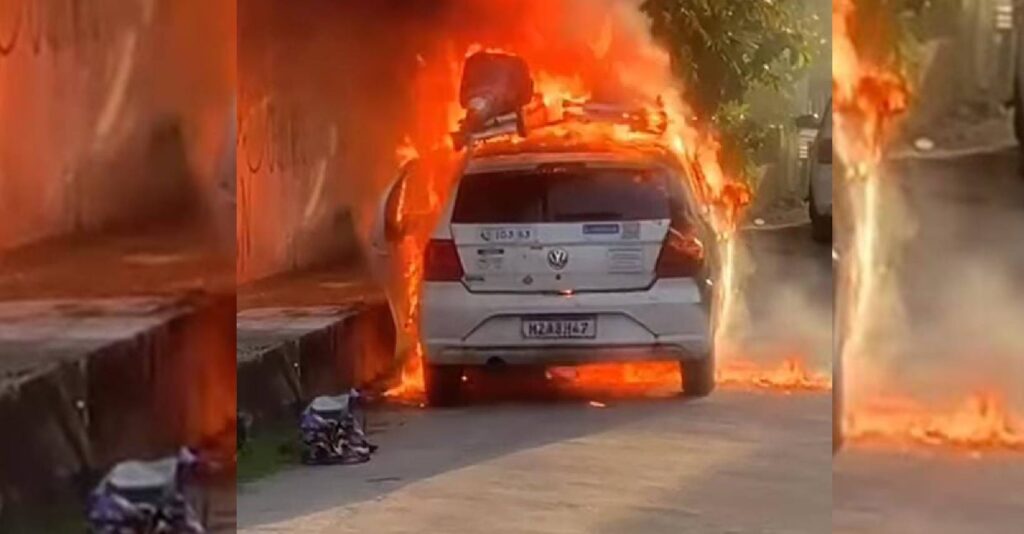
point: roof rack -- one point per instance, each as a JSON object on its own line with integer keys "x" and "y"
{"x": 639, "y": 119}
{"x": 538, "y": 115}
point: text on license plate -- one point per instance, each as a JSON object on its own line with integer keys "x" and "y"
{"x": 560, "y": 327}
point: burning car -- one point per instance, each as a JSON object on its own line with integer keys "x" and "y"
{"x": 569, "y": 238}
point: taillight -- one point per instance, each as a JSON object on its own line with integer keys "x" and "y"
{"x": 441, "y": 262}
{"x": 825, "y": 151}
{"x": 682, "y": 255}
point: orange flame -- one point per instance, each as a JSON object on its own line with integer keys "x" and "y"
{"x": 981, "y": 421}
{"x": 789, "y": 376}
{"x": 869, "y": 91}
{"x": 621, "y": 64}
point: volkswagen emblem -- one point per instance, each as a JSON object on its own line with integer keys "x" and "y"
{"x": 558, "y": 258}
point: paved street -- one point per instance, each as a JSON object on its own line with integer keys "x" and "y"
{"x": 962, "y": 277}
{"x": 734, "y": 462}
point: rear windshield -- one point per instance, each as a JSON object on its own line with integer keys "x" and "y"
{"x": 562, "y": 194}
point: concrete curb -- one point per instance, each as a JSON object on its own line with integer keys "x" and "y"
{"x": 92, "y": 382}
{"x": 287, "y": 356}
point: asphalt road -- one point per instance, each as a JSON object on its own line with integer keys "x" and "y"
{"x": 961, "y": 279}
{"x": 731, "y": 463}
{"x": 734, "y": 462}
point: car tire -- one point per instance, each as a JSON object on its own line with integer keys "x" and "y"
{"x": 821, "y": 225}
{"x": 443, "y": 384}
{"x": 698, "y": 377}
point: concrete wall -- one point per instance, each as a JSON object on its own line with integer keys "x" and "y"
{"x": 91, "y": 93}
{"x": 322, "y": 91}
{"x": 115, "y": 387}
{"x": 288, "y": 356}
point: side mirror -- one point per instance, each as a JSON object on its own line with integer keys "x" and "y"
{"x": 808, "y": 122}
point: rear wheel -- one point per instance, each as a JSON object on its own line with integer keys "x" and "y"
{"x": 698, "y": 377}
{"x": 443, "y": 384}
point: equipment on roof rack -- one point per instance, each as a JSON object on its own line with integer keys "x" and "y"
{"x": 495, "y": 87}
{"x": 497, "y": 93}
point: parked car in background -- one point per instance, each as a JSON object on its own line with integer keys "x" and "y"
{"x": 820, "y": 156}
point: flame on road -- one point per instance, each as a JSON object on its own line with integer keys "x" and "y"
{"x": 983, "y": 421}
{"x": 791, "y": 375}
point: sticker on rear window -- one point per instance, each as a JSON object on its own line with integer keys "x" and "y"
{"x": 506, "y": 235}
{"x": 631, "y": 230}
{"x": 601, "y": 229}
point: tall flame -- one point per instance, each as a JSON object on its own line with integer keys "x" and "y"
{"x": 870, "y": 93}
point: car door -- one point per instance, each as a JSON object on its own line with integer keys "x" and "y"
{"x": 387, "y": 229}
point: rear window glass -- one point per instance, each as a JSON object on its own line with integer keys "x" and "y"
{"x": 562, "y": 194}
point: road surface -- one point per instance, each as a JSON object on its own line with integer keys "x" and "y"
{"x": 734, "y": 462}
{"x": 962, "y": 282}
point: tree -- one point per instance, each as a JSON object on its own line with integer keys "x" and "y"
{"x": 723, "y": 49}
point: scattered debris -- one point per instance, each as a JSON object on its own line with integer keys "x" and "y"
{"x": 331, "y": 433}
{"x": 924, "y": 144}
{"x": 141, "y": 496}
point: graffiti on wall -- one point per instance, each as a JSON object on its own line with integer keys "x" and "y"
{"x": 284, "y": 156}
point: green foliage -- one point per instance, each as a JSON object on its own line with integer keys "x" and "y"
{"x": 724, "y": 49}
{"x": 270, "y": 450}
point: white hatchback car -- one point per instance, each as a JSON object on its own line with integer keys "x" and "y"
{"x": 559, "y": 258}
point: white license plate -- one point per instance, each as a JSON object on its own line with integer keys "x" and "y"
{"x": 560, "y": 327}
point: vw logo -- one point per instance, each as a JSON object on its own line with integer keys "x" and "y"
{"x": 558, "y": 258}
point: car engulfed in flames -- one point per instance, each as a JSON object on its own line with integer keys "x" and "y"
{"x": 612, "y": 92}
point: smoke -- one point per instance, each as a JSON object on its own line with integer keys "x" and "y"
{"x": 784, "y": 301}
{"x": 945, "y": 319}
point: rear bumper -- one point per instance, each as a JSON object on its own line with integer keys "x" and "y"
{"x": 562, "y": 355}
{"x": 669, "y": 321}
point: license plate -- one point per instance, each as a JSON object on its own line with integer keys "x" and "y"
{"x": 560, "y": 327}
